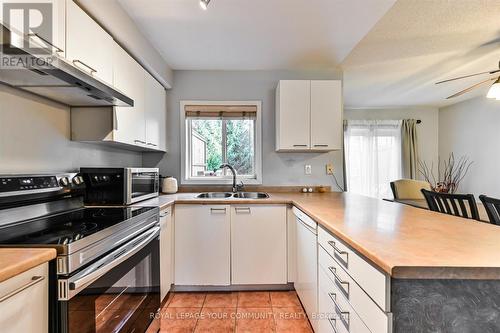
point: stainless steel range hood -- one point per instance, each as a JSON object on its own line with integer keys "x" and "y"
{"x": 53, "y": 77}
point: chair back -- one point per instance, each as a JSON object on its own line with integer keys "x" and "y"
{"x": 492, "y": 207}
{"x": 409, "y": 189}
{"x": 463, "y": 205}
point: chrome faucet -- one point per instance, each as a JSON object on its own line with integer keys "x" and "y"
{"x": 236, "y": 187}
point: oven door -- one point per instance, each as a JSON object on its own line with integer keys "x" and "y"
{"x": 118, "y": 293}
{"x": 142, "y": 184}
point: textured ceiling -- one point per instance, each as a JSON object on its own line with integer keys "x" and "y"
{"x": 420, "y": 42}
{"x": 255, "y": 34}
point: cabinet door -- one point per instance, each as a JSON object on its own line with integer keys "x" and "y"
{"x": 129, "y": 122}
{"x": 202, "y": 245}
{"x": 258, "y": 244}
{"x": 156, "y": 113}
{"x": 25, "y": 310}
{"x": 166, "y": 251}
{"x": 88, "y": 46}
{"x": 53, "y": 38}
{"x": 293, "y": 115}
{"x": 326, "y": 115}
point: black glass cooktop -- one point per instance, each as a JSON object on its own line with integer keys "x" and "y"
{"x": 66, "y": 228}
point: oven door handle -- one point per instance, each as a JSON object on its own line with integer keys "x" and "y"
{"x": 104, "y": 265}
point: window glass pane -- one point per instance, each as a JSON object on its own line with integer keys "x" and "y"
{"x": 240, "y": 145}
{"x": 206, "y": 146}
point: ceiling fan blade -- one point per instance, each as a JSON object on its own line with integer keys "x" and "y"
{"x": 471, "y": 88}
{"x": 466, "y": 76}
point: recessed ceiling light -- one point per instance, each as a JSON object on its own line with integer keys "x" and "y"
{"x": 204, "y": 4}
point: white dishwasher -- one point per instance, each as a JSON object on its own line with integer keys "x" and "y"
{"x": 306, "y": 279}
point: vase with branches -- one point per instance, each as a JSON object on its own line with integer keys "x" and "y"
{"x": 450, "y": 172}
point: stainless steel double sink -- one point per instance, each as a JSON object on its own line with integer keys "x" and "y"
{"x": 237, "y": 195}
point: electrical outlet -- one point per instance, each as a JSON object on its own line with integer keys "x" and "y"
{"x": 329, "y": 169}
{"x": 308, "y": 169}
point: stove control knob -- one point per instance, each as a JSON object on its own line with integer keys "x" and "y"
{"x": 76, "y": 180}
{"x": 64, "y": 181}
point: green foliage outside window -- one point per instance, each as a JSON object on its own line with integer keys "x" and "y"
{"x": 239, "y": 143}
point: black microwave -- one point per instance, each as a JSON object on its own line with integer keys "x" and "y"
{"x": 120, "y": 186}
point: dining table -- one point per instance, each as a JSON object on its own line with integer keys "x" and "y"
{"x": 421, "y": 203}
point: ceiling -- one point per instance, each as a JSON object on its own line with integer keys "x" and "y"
{"x": 391, "y": 52}
{"x": 255, "y": 34}
{"x": 418, "y": 43}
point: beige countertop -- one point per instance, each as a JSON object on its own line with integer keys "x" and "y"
{"x": 14, "y": 261}
{"x": 403, "y": 241}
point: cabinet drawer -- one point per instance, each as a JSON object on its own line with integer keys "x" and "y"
{"x": 337, "y": 315}
{"x": 373, "y": 317}
{"x": 24, "y": 304}
{"x": 369, "y": 278}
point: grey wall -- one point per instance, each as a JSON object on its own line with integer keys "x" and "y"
{"x": 35, "y": 137}
{"x": 278, "y": 168}
{"x": 427, "y": 131}
{"x": 472, "y": 128}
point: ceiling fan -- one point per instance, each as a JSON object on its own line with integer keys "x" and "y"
{"x": 494, "y": 91}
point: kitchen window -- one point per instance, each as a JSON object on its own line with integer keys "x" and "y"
{"x": 217, "y": 133}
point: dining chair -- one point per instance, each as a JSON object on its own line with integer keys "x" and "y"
{"x": 409, "y": 189}
{"x": 463, "y": 205}
{"x": 492, "y": 207}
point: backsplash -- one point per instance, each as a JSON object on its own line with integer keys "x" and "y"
{"x": 35, "y": 137}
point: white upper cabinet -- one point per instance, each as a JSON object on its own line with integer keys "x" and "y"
{"x": 326, "y": 115}
{"x": 129, "y": 77}
{"x": 293, "y": 115}
{"x": 308, "y": 115}
{"x": 155, "y": 113}
{"x": 88, "y": 46}
{"x": 140, "y": 127}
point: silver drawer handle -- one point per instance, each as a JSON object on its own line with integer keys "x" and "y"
{"x": 333, "y": 322}
{"x": 300, "y": 145}
{"x": 219, "y": 210}
{"x": 92, "y": 70}
{"x": 152, "y": 144}
{"x": 34, "y": 280}
{"x": 58, "y": 49}
{"x": 321, "y": 145}
{"x": 343, "y": 315}
{"x": 140, "y": 141}
{"x": 338, "y": 253}
{"x": 339, "y": 282}
{"x": 242, "y": 209}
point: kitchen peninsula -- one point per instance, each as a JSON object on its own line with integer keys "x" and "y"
{"x": 439, "y": 270}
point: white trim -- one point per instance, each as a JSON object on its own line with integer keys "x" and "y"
{"x": 219, "y": 181}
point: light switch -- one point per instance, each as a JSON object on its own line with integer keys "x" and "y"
{"x": 308, "y": 169}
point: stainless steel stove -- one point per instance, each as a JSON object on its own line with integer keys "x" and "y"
{"x": 107, "y": 264}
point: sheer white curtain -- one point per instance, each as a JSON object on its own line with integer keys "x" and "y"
{"x": 373, "y": 156}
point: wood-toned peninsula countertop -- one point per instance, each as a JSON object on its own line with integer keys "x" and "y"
{"x": 403, "y": 241}
{"x": 14, "y": 261}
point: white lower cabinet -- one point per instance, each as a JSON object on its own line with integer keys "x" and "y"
{"x": 202, "y": 245}
{"x": 338, "y": 315}
{"x": 166, "y": 251}
{"x": 24, "y": 302}
{"x": 258, "y": 244}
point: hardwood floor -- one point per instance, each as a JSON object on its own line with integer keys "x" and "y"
{"x": 233, "y": 312}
